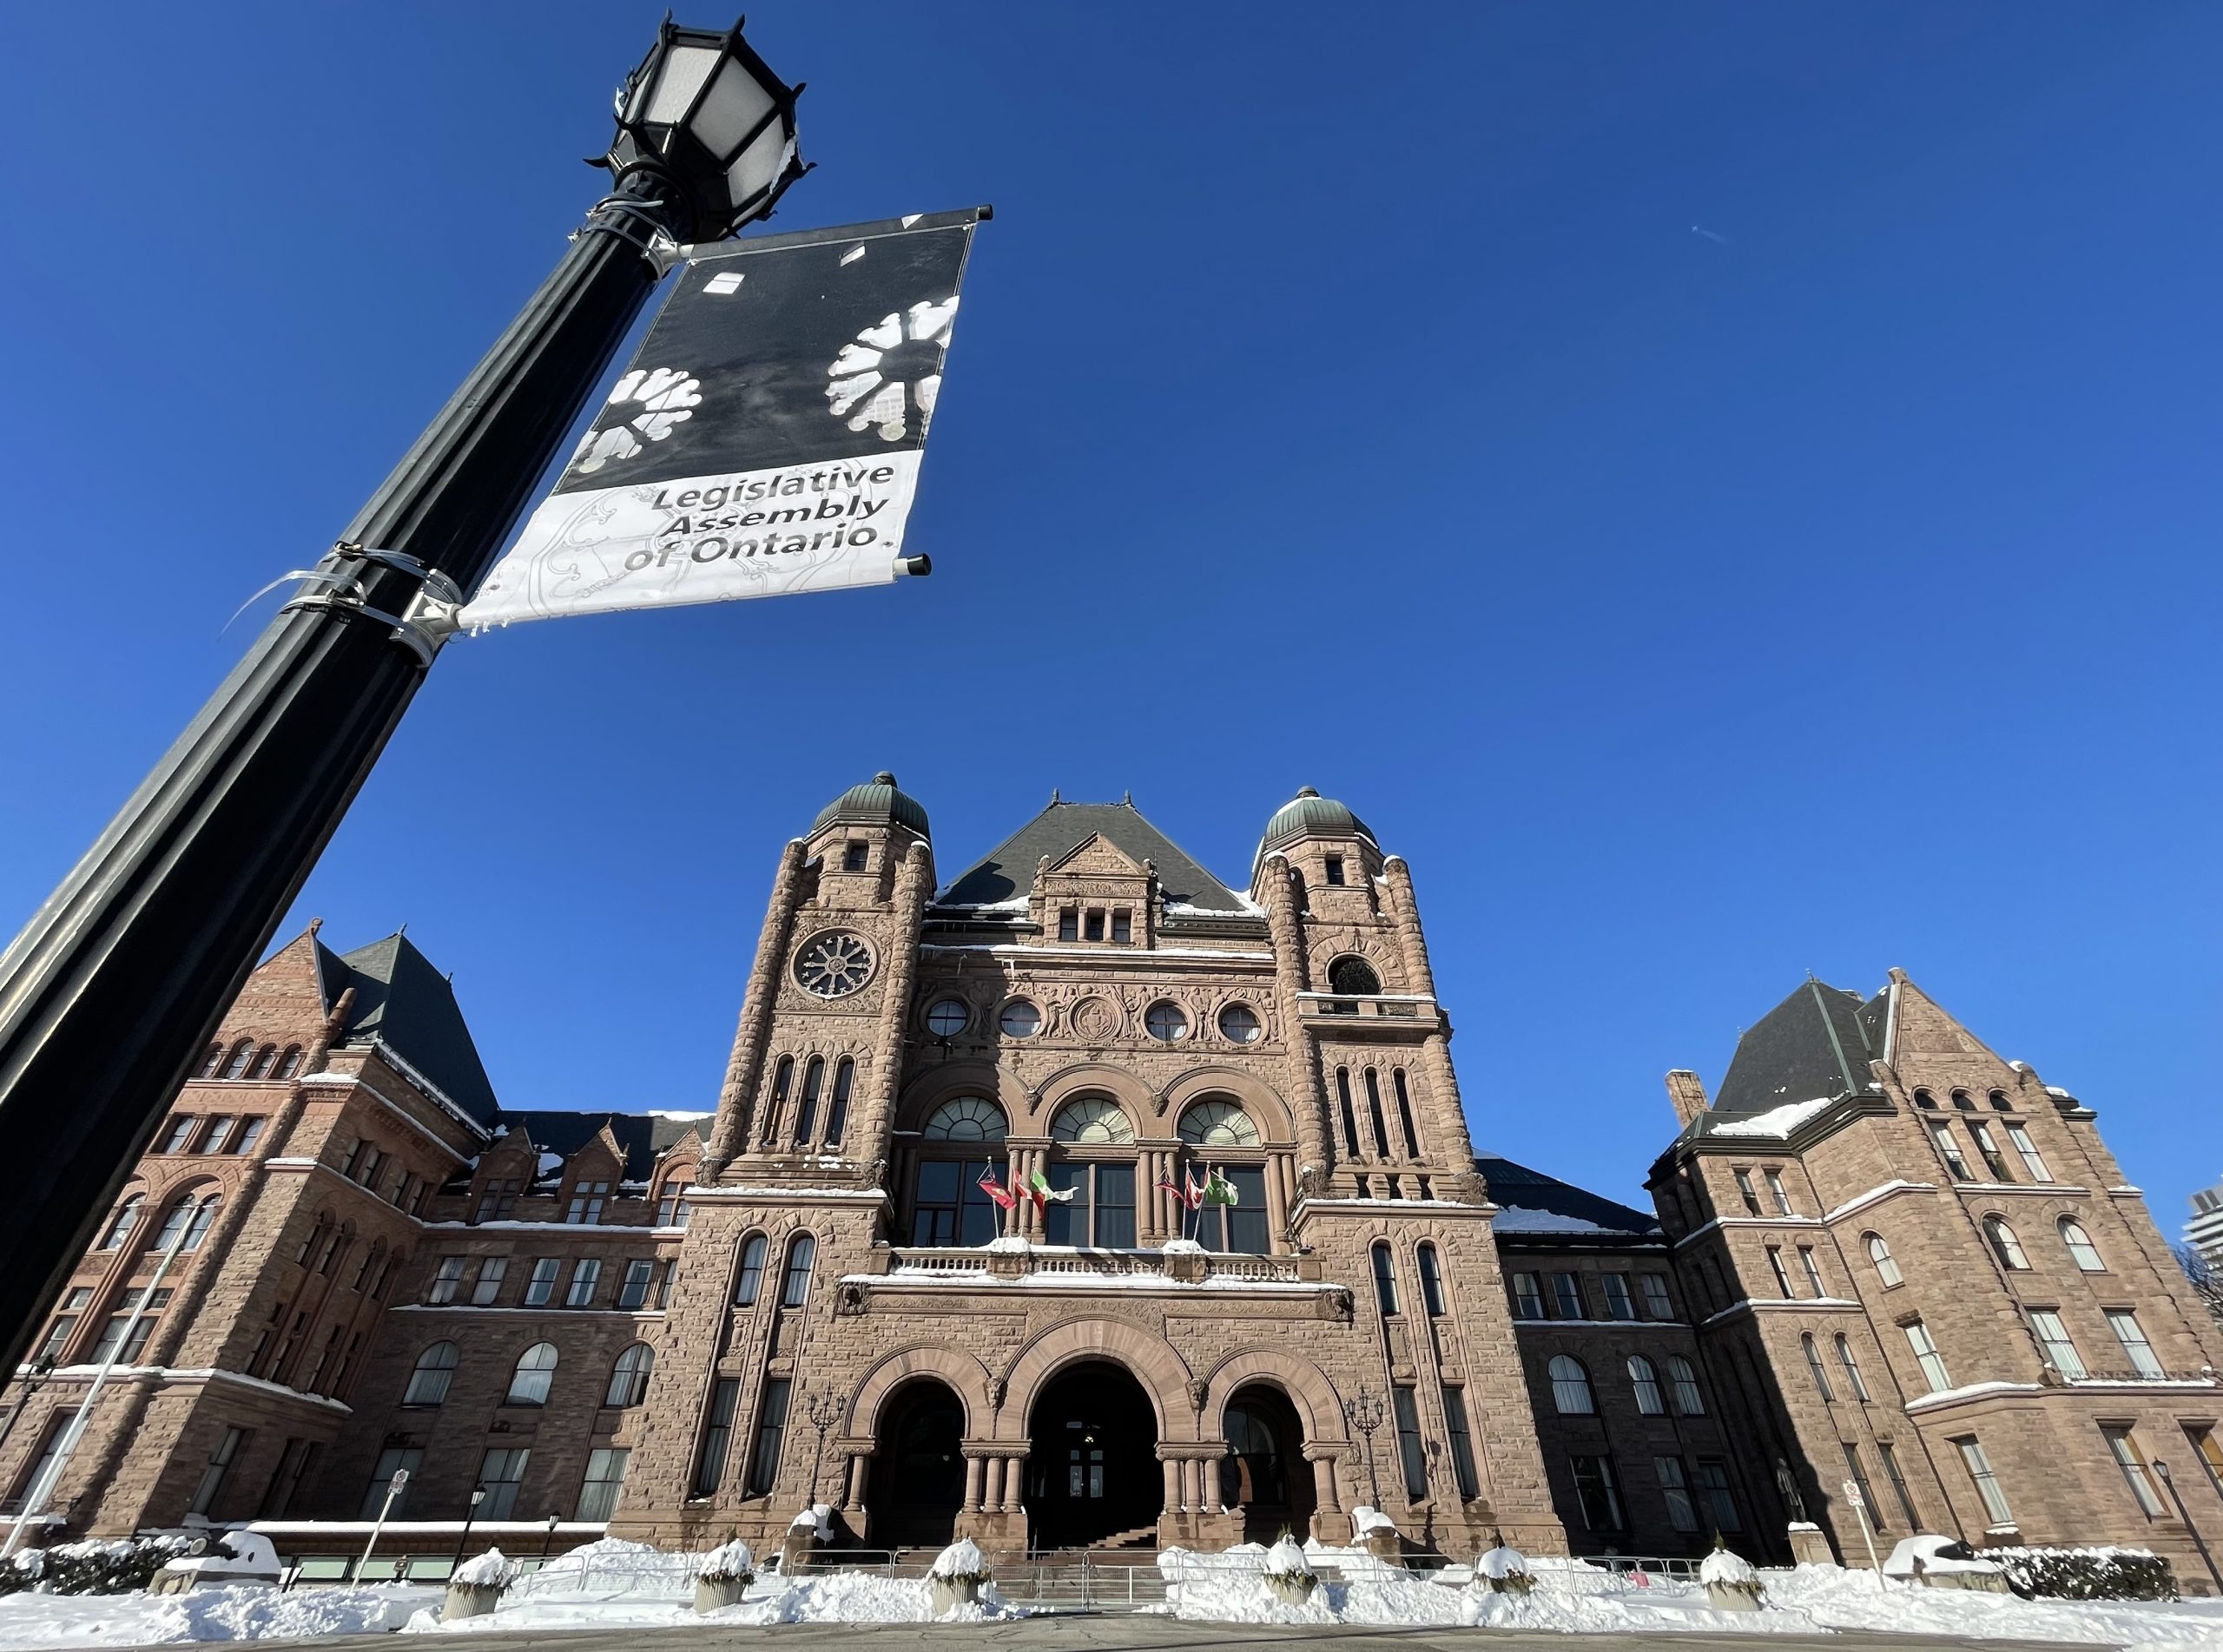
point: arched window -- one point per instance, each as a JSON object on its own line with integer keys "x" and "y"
{"x": 1925, "y": 1101}
{"x": 120, "y": 1225}
{"x": 1644, "y": 1377}
{"x": 367, "y": 1270}
{"x": 1571, "y": 1393}
{"x": 242, "y": 1058}
{"x": 969, "y": 1118}
{"x": 1683, "y": 1378}
{"x": 2081, "y": 1250}
{"x": 628, "y": 1377}
{"x": 289, "y": 1065}
{"x": 794, "y": 1289}
{"x": 1813, "y": 1351}
{"x": 313, "y": 1240}
{"x": 751, "y": 1279}
{"x": 1999, "y": 1101}
{"x": 1851, "y": 1369}
{"x": 213, "y": 1062}
{"x": 2004, "y": 1245}
{"x": 1091, "y": 1121}
{"x": 1431, "y": 1281}
{"x": 813, "y": 1080}
{"x": 1350, "y": 1118}
{"x": 1886, "y": 1268}
{"x": 266, "y": 1062}
{"x": 187, "y": 1222}
{"x": 1373, "y": 1114}
{"x": 837, "y": 1115}
{"x": 1352, "y": 978}
{"x": 673, "y": 1209}
{"x": 534, "y": 1377}
{"x": 1405, "y": 1113}
{"x": 428, "y": 1383}
{"x": 1385, "y": 1280}
{"x": 1217, "y": 1123}
{"x": 776, "y": 1104}
{"x": 1962, "y": 1101}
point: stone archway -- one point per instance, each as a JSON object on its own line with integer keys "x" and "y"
{"x": 1264, "y": 1478}
{"x": 1092, "y": 1472}
{"x": 918, "y": 1467}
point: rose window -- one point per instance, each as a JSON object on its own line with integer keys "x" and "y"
{"x": 834, "y": 964}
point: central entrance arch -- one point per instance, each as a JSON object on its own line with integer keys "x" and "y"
{"x": 918, "y": 1471}
{"x": 1265, "y": 1473}
{"x": 1092, "y": 1470}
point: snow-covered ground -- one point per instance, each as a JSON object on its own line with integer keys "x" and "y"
{"x": 602, "y": 1593}
{"x": 29, "y": 1621}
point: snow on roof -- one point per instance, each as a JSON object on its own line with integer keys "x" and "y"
{"x": 1777, "y": 1120}
{"x": 1518, "y": 1218}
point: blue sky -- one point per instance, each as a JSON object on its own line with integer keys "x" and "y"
{"x": 1343, "y": 398}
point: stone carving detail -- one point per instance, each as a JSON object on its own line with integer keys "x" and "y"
{"x": 850, "y": 1302}
{"x": 1094, "y": 1018}
{"x": 1311, "y": 1181}
{"x": 1337, "y": 1305}
{"x": 996, "y": 1393}
{"x": 1198, "y": 1390}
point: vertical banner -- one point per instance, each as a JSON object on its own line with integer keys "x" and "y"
{"x": 766, "y": 436}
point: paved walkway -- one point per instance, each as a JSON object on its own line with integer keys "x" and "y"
{"x": 1119, "y": 1632}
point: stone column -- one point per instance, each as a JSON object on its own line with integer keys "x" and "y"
{"x": 991, "y": 1500}
{"x": 975, "y": 1467}
{"x": 1173, "y": 1504}
{"x": 1327, "y": 1505}
{"x": 1405, "y": 911}
{"x": 914, "y": 884}
{"x": 746, "y": 1064}
{"x": 1292, "y": 975}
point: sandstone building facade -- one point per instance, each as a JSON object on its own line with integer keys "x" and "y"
{"x": 345, "y": 1259}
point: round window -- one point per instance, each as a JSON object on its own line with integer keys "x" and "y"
{"x": 1239, "y": 1024}
{"x": 949, "y": 1018}
{"x": 834, "y": 965}
{"x": 1166, "y": 1022}
{"x": 1019, "y": 1019}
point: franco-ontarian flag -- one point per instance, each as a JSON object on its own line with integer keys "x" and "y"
{"x": 765, "y": 439}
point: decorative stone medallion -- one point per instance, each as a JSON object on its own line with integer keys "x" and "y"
{"x": 1093, "y": 1018}
{"x": 834, "y": 964}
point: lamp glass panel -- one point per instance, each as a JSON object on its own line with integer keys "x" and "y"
{"x": 681, "y": 76}
{"x": 761, "y": 164}
{"x": 736, "y": 102}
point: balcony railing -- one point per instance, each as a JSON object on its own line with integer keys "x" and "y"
{"x": 1086, "y": 1264}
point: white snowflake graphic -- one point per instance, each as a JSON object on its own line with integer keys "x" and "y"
{"x": 665, "y": 396}
{"x": 889, "y": 378}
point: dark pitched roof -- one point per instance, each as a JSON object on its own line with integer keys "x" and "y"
{"x": 1007, "y": 872}
{"x": 1526, "y": 1195}
{"x": 1817, "y": 1043}
{"x": 405, "y": 1003}
{"x": 642, "y": 1136}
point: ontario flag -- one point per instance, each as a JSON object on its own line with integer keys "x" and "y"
{"x": 1218, "y": 1190}
{"x": 1002, "y": 1197}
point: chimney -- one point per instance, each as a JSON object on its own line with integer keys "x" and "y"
{"x": 1688, "y": 1096}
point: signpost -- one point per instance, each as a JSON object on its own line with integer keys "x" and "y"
{"x": 1860, "y": 1513}
{"x": 393, "y": 1489}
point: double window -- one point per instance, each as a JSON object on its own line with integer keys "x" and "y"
{"x": 1600, "y": 1493}
{"x": 628, "y": 1377}
{"x": 2053, "y": 1337}
{"x": 1101, "y": 1211}
{"x": 2135, "y": 1347}
{"x": 1644, "y": 1378}
{"x": 2123, "y": 1447}
{"x": 1985, "y": 1481}
{"x": 605, "y": 1478}
{"x": 1675, "y": 1490}
{"x": 501, "y": 1471}
{"x": 1926, "y": 1356}
{"x": 530, "y": 1381}
{"x": 428, "y": 1383}
{"x": 1571, "y": 1394}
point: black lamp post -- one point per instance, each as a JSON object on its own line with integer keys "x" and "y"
{"x": 116, "y": 985}
{"x": 463, "y": 1537}
{"x": 1363, "y": 1411}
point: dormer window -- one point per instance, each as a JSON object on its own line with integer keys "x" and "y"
{"x": 1123, "y": 927}
{"x": 498, "y": 1198}
{"x": 1334, "y": 869}
{"x": 1068, "y": 924}
{"x": 1094, "y": 928}
{"x": 853, "y": 856}
{"x": 587, "y": 1201}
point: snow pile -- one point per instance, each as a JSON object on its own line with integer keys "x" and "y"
{"x": 234, "y": 1612}
{"x": 1364, "y": 1520}
{"x": 1857, "y": 1600}
{"x": 1182, "y": 1247}
{"x": 1777, "y": 1120}
{"x": 727, "y": 1563}
{"x": 961, "y": 1559}
{"x": 1725, "y": 1565}
{"x": 1230, "y": 1588}
{"x": 1504, "y": 1571}
{"x": 1288, "y": 1560}
{"x": 493, "y": 1569}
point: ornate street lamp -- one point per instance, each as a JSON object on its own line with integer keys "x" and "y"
{"x": 1363, "y": 1411}
{"x": 117, "y": 984}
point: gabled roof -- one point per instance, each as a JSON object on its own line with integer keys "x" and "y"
{"x": 641, "y": 1137}
{"x": 401, "y": 1000}
{"x": 1006, "y": 872}
{"x": 1531, "y": 1204}
{"x": 1816, "y": 1044}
